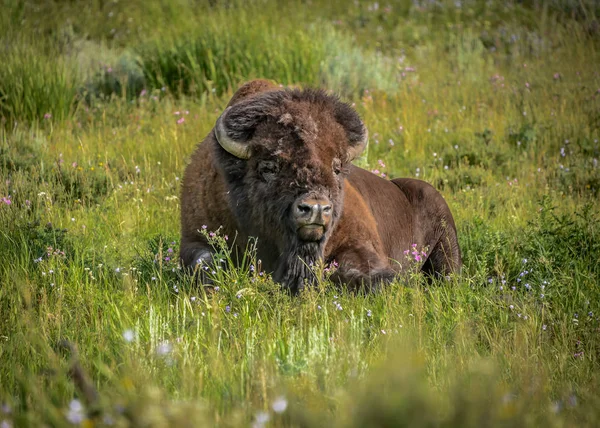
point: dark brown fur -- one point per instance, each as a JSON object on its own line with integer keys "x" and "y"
{"x": 299, "y": 139}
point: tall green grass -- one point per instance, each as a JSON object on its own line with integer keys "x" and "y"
{"x": 35, "y": 84}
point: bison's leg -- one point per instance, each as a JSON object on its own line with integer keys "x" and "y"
{"x": 434, "y": 226}
{"x": 444, "y": 258}
{"x": 357, "y": 280}
{"x": 361, "y": 267}
{"x": 196, "y": 257}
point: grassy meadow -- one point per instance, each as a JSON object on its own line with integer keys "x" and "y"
{"x": 497, "y": 104}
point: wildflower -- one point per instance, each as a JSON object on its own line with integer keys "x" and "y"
{"x": 524, "y": 261}
{"x": 217, "y": 288}
{"x": 144, "y": 92}
{"x": 511, "y": 307}
{"x": 153, "y": 278}
{"x": 369, "y": 313}
{"x": 6, "y": 409}
{"x": 383, "y": 332}
{"x": 319, "y": 307}
{"x": 164, "y": 348}
{"x": 544, "y": 327}
{"x": 227, "y": 308}
{"x": 129, "y": 335}
{"x": 5, "y": 424}
{"x": 279, "y": 404}
{"x": 260, "y": 419}
{"x": 6, "y": 200}
{"x": 75, "y": 414}
{"x": 180, "y": 120}
{"x": 48, "y": 116}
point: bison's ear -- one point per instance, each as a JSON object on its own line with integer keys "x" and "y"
{"x": 356, "y": 131}
{"x": 249, "y": 106}
{"x": 236, "y": 126}
{"x": 252, "y": 88}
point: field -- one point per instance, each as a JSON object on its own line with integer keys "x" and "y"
{"x": 497, "y": 104}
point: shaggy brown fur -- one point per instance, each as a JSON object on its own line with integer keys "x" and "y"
{"x": 299, "y": 142}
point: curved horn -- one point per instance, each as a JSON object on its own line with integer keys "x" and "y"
{"x": 357, "y": 148}
{"x": 237, "y": 149}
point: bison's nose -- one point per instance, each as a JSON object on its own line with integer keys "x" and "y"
{"x": 313, "y": 211}
{"x": 312, "y": 214}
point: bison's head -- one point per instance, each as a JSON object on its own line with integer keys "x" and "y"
{"x": 285, "y": 154}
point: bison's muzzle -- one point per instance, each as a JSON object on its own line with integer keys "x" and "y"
{"x": 312, "y": 217}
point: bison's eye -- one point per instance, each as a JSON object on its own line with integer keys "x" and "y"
{"x": 268, "y": 169}
{"x": 337, "y": 166}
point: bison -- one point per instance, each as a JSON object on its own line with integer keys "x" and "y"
{"x": 278, "y": 167}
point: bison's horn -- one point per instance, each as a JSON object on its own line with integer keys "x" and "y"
{"x": 357, "y": 148}
{"x": 237, "y": 149}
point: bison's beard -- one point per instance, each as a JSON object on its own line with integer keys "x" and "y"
{"x": 295, "y": 266}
